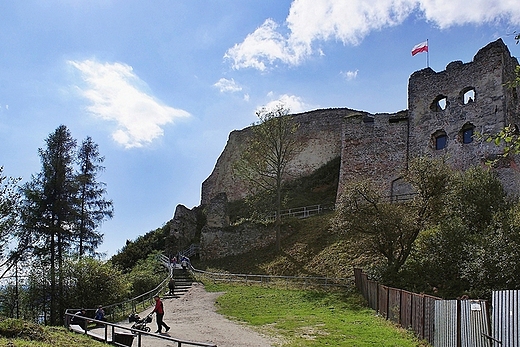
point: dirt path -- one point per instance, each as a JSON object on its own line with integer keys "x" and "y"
{"x": 193, "y": 317}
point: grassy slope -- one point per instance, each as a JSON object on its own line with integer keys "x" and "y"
{"x": 310, "y": 318}
{"x": 308, "y": 248}
{"x": 19, "y": 333}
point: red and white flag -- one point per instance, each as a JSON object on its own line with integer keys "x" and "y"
{"x": 420, "y": 47}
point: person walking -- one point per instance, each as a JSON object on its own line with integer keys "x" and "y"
{"x": 171, "y": 286}
{"x": 159, "y": 313}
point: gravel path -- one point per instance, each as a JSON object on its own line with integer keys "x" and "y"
{"x": 193, "y": 317}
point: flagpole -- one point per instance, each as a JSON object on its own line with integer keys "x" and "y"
{"x": 427, "y": 54}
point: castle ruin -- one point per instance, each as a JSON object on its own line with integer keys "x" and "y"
{"x": 445, "y": 110}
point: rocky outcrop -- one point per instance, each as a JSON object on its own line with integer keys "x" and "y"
{"x": 183, "y": 226}
{"x": 319, "y": 141}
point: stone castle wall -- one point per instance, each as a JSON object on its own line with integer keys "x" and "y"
{"x": 374, "y": 147}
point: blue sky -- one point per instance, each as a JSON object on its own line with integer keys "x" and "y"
{"x": 160, "y": 85}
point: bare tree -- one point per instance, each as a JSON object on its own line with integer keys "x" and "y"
{"x": 263, "y": 164}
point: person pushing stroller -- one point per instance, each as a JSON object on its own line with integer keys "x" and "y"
{"x": 159, "y": 312}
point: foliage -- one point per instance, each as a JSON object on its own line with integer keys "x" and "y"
{"x": 320, "y": 187}
{"x": 49, "y": 210}
{"x": 91, "y": 282}
{"x": 263, "y": 162}
{"x": 139, "y": 249}
{"x": 88, "y": 282}
{"x": 508, "y": 139}
{"x": 63, "y": 206}
{"x": 452, "y": 257}
{"x": 309, "y": 318}
{"x": 496, "y": 259}
{"x": 378, "y": 227}
{"x": 146, "y": 274}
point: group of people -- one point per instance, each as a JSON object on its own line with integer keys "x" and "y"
{"x": 80, "y": 319}
{"x": 184, "y": 261}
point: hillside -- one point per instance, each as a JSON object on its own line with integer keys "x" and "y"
{"x": 308, "y": 246}
{"x": 308, "y": 249}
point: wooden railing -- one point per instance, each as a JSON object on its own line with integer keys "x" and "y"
{"x": 124, "y": 336}
{"x": 302, "y": 212}
{"x": 305, "y": 281}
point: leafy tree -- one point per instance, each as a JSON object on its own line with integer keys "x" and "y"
{"x": 146, "y": 274}
{"x": 380, "y": 228}
{"x": 448, "y": 254}
{"x": 91, "y": 282}
{"x": 265, "y": 158}
{"x": 374, "y": 227}
{"x": 93, "y": 209}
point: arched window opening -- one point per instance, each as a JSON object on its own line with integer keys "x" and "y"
{"x": 439, "y": 103}
{"x": 440, "y": 139}
{"x": 466, "y": 133}
{"x": 467, "y": 95}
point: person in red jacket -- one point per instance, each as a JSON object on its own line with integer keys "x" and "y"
{"x": 159, "y": 312}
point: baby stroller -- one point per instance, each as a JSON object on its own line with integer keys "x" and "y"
{"x": 140, "y": 324}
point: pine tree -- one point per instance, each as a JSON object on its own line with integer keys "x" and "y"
{"x": 10, "y": 201}
{"x": 49, "y": 210}
{"x": 93, "y": 209}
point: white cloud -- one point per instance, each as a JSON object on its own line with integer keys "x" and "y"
{"x": 350, "y": 21}
{"x": 114, "y": 93}
{"x": 349, "y": 75}
{"x": 294, "y": 104}
{"x": 227, "y": 86}
{"x": 266, "y": 45}
{"x": 446, "y": 13}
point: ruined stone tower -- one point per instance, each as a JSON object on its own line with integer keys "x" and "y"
{"x": 445, "y": 110}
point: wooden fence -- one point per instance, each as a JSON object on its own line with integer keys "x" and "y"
{"x": 410, "y": 310}
{"x": 442, "y": 323}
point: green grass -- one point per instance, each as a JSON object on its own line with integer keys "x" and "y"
{"x": 310, "y": 318}
{"x": 20, "y": 333}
